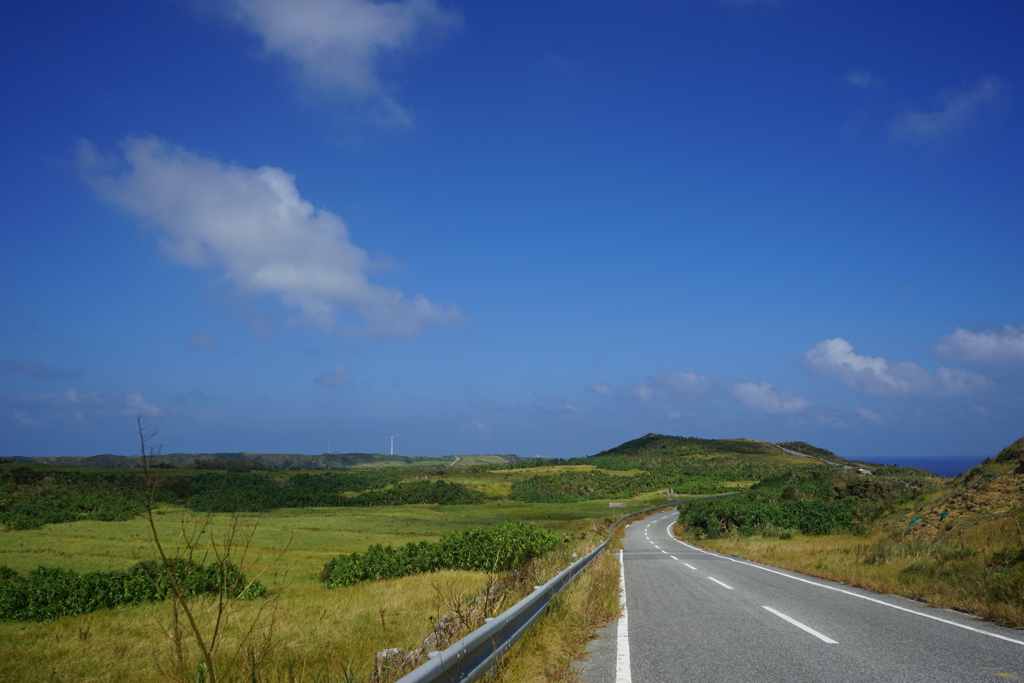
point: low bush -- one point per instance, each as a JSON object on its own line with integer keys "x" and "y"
{"x": 504, "y": 547}
{"x": 30, "y": 498}
{"x": 571, "y": 487}
{"x": 749, "y": 516}
{"x": 50, "y": 593}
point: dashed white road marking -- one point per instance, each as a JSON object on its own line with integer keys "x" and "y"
{"x": 851, "y": 593}
{"x": 720, "y": 583}
{"x": 799, "y": 625}
{"x": 690, "y": 566}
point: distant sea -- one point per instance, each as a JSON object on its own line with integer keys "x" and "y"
{"x": 946, "y": 466}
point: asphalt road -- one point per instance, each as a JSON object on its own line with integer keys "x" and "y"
{"x": 699, "y": 616}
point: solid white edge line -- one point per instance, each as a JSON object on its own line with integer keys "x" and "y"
{"x": 720, "y": 583}
{"x": 856, "y": 595}
{"x": 622, "y": 668}
{"x": 803, "y": 626}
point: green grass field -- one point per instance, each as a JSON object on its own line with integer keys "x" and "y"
{"x": 312, "y": 536}
{"x": 316, "y": 634}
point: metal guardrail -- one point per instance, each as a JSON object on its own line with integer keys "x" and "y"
{"x": 477, "y": 653}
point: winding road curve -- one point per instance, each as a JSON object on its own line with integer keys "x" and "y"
{"x": 693, "y": 615}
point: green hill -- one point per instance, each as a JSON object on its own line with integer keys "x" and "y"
{"x": 642, "y": 452}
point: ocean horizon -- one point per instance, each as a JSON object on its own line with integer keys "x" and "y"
{"x": 943, "y": 465}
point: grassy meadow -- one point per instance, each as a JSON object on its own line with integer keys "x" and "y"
{"x": 304, "y": 632}
{"x": 309, "y": 536}
{"x": 314, "y": 631}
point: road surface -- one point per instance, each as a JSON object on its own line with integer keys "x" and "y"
{"x": 692, "y": 615}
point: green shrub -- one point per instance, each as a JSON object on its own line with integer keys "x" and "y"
{"x": 30, "y": 498}
{"x": 51, "y": 593}
{"x": 750, "y": 516}
{"x": 501, "y": 548}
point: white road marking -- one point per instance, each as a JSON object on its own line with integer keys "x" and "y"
{"x": 690, "y": 566}
{"x": 720, "y": 583}
{"x": 799, "y": 625}
{"x": 856, "y": 595}
{"x": 622, "y": 668}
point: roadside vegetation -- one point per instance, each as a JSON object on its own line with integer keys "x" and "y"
{"x": 955, "y": 543}
{"x": 506, "y": 547}
{"x": 417, "y": 555}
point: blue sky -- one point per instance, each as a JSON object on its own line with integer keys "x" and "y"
{"x": 532, "y": 227}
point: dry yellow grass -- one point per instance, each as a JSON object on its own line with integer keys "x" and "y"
{"x": 303, "y": 632}
{"x": 557, "y": 641}
{"x": 953, "y": 574}
{"x": 308, "y": 634}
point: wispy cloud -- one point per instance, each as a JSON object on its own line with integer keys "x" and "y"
{"x": 79, "y": 407}
{"x": 339, "y": 46}
{"x": 997, "y": 347}
{"x": 957, "y": 109}
{"x": 683, "y": 382}
{"x": 601, "y": 389}
{"x": 253, "y": 225}
{"x": 336, "y": 378}
{"x": 23, "y": 418}
{"x": 765, "y": 398}
{"x": 485, "y": 404}
{"x": 137, "y": 405}
{"x": 859, "y": 78}
{"x": 668, "y": 386}
{"x": 878, "y": 377}
{"x": 548, "y": 399}
{"x": 200, "y": 341}
{"x": 34, "y": 369}
{"x": 870, "y": 415}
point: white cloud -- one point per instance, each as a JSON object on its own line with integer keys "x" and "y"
{"x": 486, "y": 404}
{"x": 764, "y": 398}
{"x": 879, "y": 377}
{"x": 200, "y": 341}
{"x": 253, "y": 225}
{"x": 683, "y": 382}
{"x": 335, "y": 379}
{"x": 859, "y": 78}
{"x": 957, "y": 110}
{"x": 644, "y": 392}
{"x": 136, "y": 405}
{"x": 24, "y": 419}
{"x": 831, "y": 421}
{"x": 870, "y": 415}
{"x": 338, "y": 46}
{"x": 1003, "y": 346}
{"x": 601, "y": 389}
{"x": 80, "y": 407}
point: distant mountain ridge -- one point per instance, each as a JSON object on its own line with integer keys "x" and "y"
{"x": 281, "y": 460}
